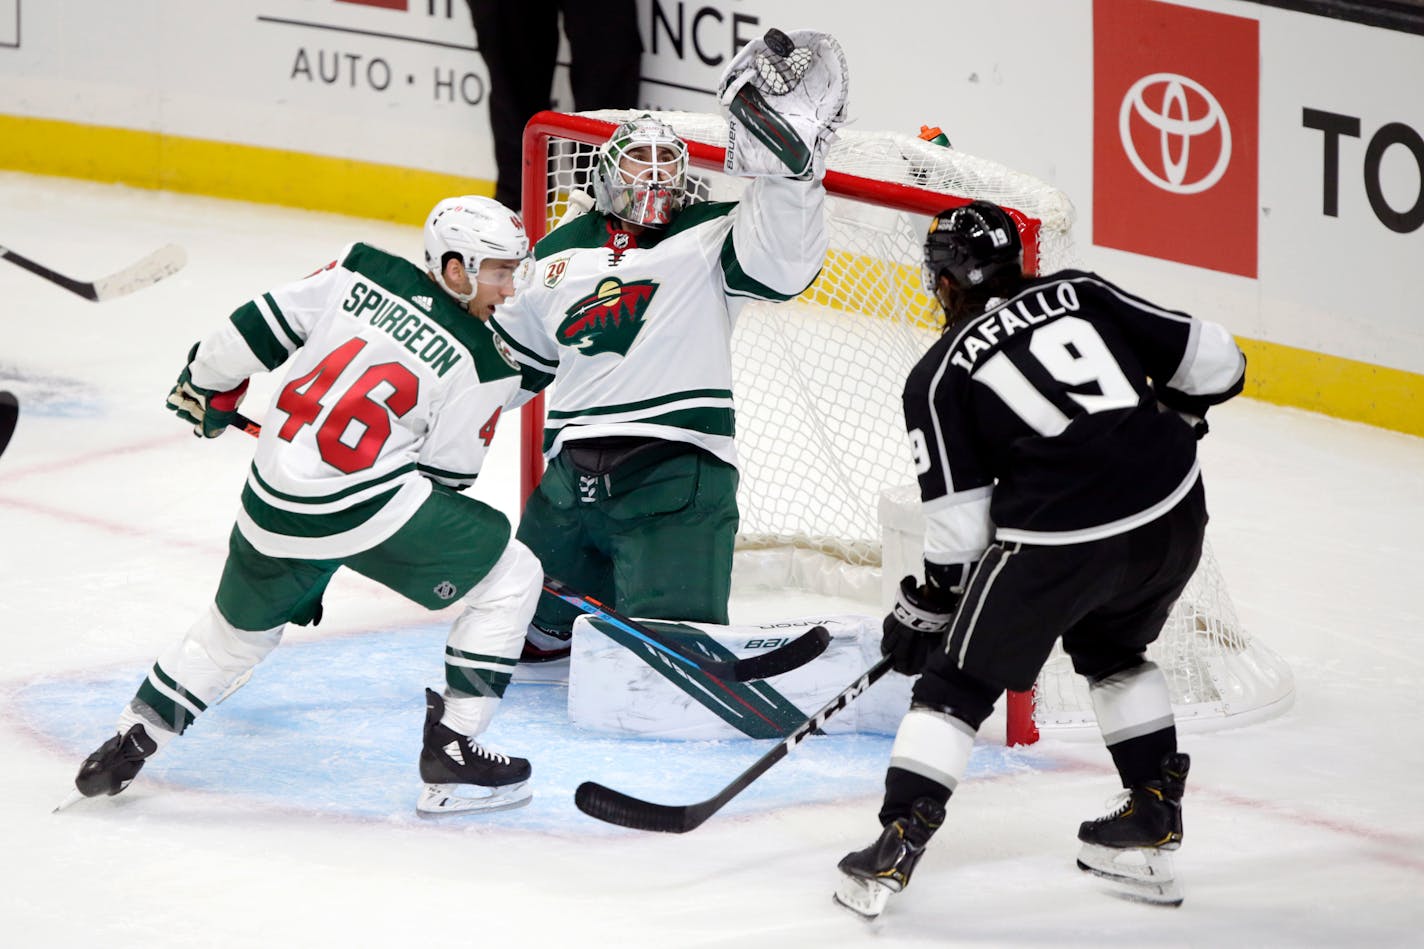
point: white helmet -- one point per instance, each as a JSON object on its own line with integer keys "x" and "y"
{"x": 476, "y": 229}
{"x": 657, "y": 188}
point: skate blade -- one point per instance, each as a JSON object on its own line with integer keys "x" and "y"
{"x": 865, "y": 898}
{"x": 74, "y": 797}
{"x": 1141, "y": 874}
{"x": 443, "y": 800}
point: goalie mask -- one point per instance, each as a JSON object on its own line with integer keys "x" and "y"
{"x": 641, "y": 176}
{"x": 474, "y": 229}
{"x": 972, "y": 245}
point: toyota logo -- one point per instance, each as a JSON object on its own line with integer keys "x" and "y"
{"x": 1171, "y": 115}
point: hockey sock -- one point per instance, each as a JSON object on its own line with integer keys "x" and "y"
{"x": 903, "y": 788}
{"x": 929, "y": 759}
{"x": 1134, "y": 710}
{"x": 1139, "y": 760}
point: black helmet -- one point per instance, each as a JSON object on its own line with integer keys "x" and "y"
{"x": 972, "y": 245}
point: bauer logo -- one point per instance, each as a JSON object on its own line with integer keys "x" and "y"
{"x": 1176, "y": 102}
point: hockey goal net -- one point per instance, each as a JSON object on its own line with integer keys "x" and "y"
{"x": 818, "y": 379}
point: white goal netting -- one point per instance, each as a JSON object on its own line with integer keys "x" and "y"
{"x": 818, "y": 379}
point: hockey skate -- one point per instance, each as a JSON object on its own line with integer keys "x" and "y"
{"x": 1130, "y": 846}
{"x": 869, "y": 877}
{"x": 546, "y": 656}
{"x": 460, "y": 775}
{"x": 115, "y": 764}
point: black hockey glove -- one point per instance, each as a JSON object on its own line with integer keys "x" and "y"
{"x": 916, "y": 625}
{"x": 1190, "y": 409}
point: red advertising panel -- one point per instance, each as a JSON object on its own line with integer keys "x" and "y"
{"x": 1175, "y": 110}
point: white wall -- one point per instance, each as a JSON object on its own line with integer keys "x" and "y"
{"x": 1010, "y": 79}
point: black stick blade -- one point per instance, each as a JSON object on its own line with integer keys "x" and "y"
{"x": 615, "y": 807}
{"x": 9, "y": 415}
{"x": 793, "y": 655}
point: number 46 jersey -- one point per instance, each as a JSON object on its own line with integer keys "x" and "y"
{"x": 1048, "y": 418}
{"x": 393, "y": 385}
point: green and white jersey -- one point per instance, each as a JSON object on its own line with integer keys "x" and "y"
{"x": 392, "y": 384}
{"x": 635, "y": 332}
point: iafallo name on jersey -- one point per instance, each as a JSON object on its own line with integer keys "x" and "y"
{"x": 1023, "y": 313}
{"x": 607, "y": 320}
{"x": 390, "y": 314}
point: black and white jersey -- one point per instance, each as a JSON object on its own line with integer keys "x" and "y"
{"x": 1042, "y": 420}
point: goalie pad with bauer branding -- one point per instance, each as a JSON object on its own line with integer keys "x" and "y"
{"x": 614, "y": 690}
{"x": 785, "y": 96}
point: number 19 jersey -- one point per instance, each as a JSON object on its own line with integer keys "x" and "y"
{"x": 1039, "y": 420}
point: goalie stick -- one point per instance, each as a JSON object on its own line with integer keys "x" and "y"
{"x": 9, "y": 415}
{"x": 792, "y": 655}
{"x": 164, "y": 262}
{"x": 615, "y": 807}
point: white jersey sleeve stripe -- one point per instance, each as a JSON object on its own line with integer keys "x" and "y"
{"x": 958, "y": 527}
{"x": 1212, "y": 363}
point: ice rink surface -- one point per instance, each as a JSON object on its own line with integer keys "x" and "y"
{"x": 285, "y": 818}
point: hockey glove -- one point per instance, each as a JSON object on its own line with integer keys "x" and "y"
{"x": 915, "y": 626}
{"x": 1190, "y": 408}
{"x": 209, "y": 412}
{"x": 784, "y": 95}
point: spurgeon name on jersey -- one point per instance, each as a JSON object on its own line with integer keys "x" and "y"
{"x": 393, "y": 385}
{"x": 636, "y": 329}
{"x": 1011, "y": 414}
{"x": 419, "y": 335}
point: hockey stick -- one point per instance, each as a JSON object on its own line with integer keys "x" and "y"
{"x": 615, "y": 807}
{"x": 9, "y": 415}
{"x": 792, "y": 655}
{"x": 165, "y": 261}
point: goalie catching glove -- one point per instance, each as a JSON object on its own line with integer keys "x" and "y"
{"x": 210, "y": 412}
{"x": 785, "y": 96}
{"x": 920, "y": 618}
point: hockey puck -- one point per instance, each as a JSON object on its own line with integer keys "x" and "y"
{"x": 778, "y": 42}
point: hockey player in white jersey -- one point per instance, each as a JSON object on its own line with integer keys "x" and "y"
{"x": 392, "y": 398}
{"x": 1054, "y": 427}
{"x": 628, "y": 311}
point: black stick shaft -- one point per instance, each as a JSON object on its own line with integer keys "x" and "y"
{"x": 83, "y": 289}
{"x": 615, "y": 807}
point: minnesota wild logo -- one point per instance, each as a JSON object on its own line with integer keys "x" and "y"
{"x": 607, "y": 320}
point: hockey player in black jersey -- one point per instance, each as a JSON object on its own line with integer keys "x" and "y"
{"x": 1054, "y": 428}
